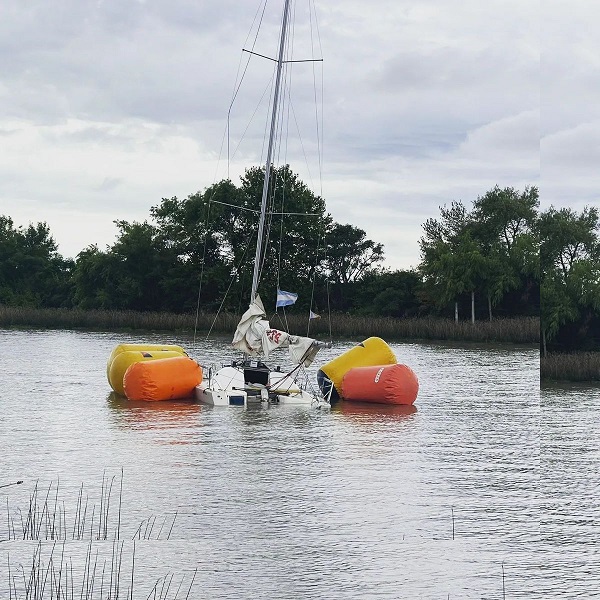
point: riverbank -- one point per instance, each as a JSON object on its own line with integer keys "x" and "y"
{"x": 524, "y": 330}
{"x": 577, "y": 366}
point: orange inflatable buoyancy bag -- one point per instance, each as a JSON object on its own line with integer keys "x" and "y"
{"x": 162, "y": 379}
{"x": 387, "y": 384}
{"x": 372, "y": 351}
{"x": 123, "y": 360}
{"x": 140, "y": 348}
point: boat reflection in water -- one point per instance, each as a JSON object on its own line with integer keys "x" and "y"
{"x": 167, "y": 414}
{"x": 375, "y": 411}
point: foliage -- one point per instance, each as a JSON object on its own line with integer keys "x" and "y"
{"x": 350, "y": 255}
{"x": 570, "y": 267}
{"x": 488, "y": 251}
{"x": 32, "y": 273}
{"x": 390, "y": 294}
{"x": 199, "y": 252}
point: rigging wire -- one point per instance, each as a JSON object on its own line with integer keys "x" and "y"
{"x": 286, "y": 115}
{"x": 232, "y": 279}
{"x": 201, "y": 274}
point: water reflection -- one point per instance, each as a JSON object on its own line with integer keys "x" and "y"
{"x": 288, "y": 486}
{"x": 373, "y": 412}
{"x": 152, "y": 415}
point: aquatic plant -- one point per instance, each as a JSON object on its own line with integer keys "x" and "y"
{"x": 50, "y": 574}
{"x": 575, "y": 366}
{"x": 521, "y": 330}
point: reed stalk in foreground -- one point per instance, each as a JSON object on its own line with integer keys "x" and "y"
{"x": 51, "y": 576}
{"x": 46, "y": 518}
{"x": 577, "y": 366}
{"x": 87, "y": 531}
{"x": 520, "y": 330}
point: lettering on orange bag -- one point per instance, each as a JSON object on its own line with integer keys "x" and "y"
{"x": 389, "y": 384}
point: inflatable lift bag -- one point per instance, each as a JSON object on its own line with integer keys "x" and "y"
{"x": 388, "y": 384}
{"x": 373, "y": 351}
{"x": 162, "y": 379}
{"x": 123, "y": 360}
{"x": 143, "y": 347}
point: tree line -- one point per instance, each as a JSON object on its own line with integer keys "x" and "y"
{"x": 495, "y": 258}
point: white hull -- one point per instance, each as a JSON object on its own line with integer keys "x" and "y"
{"x": 228, "y": 388}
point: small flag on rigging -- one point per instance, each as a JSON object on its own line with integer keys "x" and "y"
{"x": 314, "y": 315}
{"x": 285, "y": 298}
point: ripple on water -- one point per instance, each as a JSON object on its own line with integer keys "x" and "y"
{"x": 356, "y": 502}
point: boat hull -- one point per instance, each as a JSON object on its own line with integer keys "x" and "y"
{"x": 228, "y": 387}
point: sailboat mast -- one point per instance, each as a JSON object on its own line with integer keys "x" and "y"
{"x": 265, "y": 191}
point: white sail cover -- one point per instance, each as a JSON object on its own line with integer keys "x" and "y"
{"x": 254, "y": 336}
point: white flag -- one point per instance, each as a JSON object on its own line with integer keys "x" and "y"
{"x": 314, "y": 315}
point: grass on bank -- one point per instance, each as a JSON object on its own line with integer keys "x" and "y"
{"x": 578, "y": 366}
{"x": 523, "y": 330}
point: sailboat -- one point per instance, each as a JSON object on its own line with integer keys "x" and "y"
{"x": 251, "y": 380}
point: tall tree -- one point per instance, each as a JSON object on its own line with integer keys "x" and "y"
{"x": 570, "y": 268}
{"x": 505, "y": 221}
{"x": 32, "y": 272}
{"x": 452, "y": 262}
{"x": 350, "y": 254}
{"x": 216, "y": 232}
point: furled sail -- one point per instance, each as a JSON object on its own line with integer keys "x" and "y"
{"x": 255, "y": 336}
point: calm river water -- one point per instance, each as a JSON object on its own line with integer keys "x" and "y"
{"x": 450, "y": 500}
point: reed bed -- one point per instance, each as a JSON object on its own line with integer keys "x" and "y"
{"x": 102, "y": 575}
{"x": 46, "y": 517}
{"x": 50, "y": 574}
{"x": 63, "y": 318}
{"x": 521, "y": 330}
{"x": 577, "y": 366}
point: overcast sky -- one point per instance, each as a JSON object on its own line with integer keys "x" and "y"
{"x": 106, "y": 106}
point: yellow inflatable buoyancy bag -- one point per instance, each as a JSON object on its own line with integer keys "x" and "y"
{"x": 123, "y": 360}
{"x": 373, "y": 351}
{"x": 146, "y": 347}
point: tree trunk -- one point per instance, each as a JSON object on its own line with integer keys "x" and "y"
{"x": 456, "y": 312}
{"x": 545, "y": 351}
{"x": 490, "y": 306}
{"x": 473, "y": 307}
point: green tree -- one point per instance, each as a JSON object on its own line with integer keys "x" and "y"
{"x": 32, "y": 272}
{"x": 205, "y": 235}
{"x": 349, "y": 257}
{"x": 214, "y": 233}
{"x": 505, "y": 225}
{"x": 133, "y": 274}
{"x": 95, "y": 280}
{"x": 570, "y": 269}
{"x": 491, "y": 250}
{"x": 350, "y": 254}
{"x": 389, "y": 294}
{"x": 296, "y": 229}
{"x": 452, "y": 262}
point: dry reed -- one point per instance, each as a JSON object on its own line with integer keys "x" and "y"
{"x": 517, "y": 330}
{"x": 52, "y": 577}
{"x": 577, "y": 366}
{"x": 49, "y": 578}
